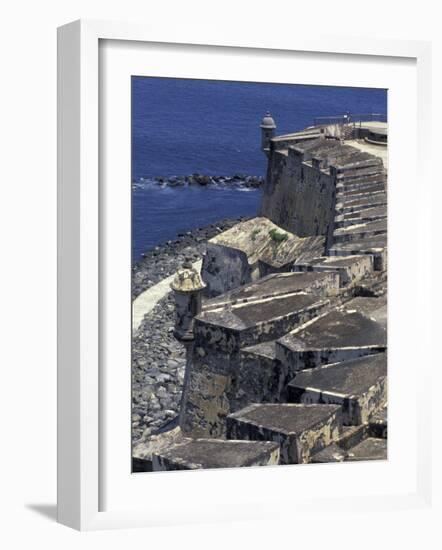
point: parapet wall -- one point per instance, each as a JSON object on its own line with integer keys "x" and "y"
{"x": 297, "y": 196}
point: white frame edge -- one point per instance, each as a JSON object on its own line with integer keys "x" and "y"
{"x": 78, "y": 247}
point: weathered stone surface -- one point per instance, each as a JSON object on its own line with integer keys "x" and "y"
{"x": 373, "y": 286}
{"x": 360, "y": 172}
{"x": 251, "y": 341}
{"x": 359, "y": 386}
{"x": 360, "y": 231}
{"x": 345, "y": 186}
{"x": 351, "y": 269}
{"x": 278, "y": 285}
{"x": 143, "y": 451}
{"x": 369, "y": 449}
{"x": 376, "y": 246}
{"x": 250, "y": 250}
{"x": 264, "y": 310}
{"x": 359, "y": 189}
{"x": 374, "y": 308}
{"x": 357, "y": 204}
{"x": 194, "y": 454}
{"x": 336, "y": 336}
{"x": 261, "y": 378}
{"x": 297, "y": 196}
{"x": 332, "y": 453}
{"x": 378, "y": 424}
{"x": 300, "y": 189}
{"x": 300, "y": 430}
{"x": 351, "y": 436}
{"x": 362, "y": 216}
{"x": 213, "y": 379}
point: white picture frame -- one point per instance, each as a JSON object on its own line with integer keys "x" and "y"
{"x": 81, "y": 294}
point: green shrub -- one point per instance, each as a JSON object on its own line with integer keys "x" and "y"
{"x": 278, "y": 237}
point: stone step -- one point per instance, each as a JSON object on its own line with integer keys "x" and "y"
{"x": 363, "y": 200}
{"x": 367, "y": 215}
{"x": 262, "y": 378}
{"x": 223, "y": 329}
{"x": 362, "y": 179}
{"x": 337, "y": 452}
{"x": 336, "y": 160}
{"x": 360, "y": 231}
{"x": 373, "y": 286}
{"x": 359, "y": 204}
{"x": 360, "y": 188}
{"x": 300, "y": 430}
{"x": 264, "y": 310}
{"x": 351, "y": 436}
{"x": 369, "y": 449}
{"x": 376, "y": 246}
{"x": 373, "y": 307}
{"x": 339, "y": 335}
{"x": 341, "y": 450}
{"x": 366, "y": 160}
{"x": 371, "y": 189}
{"x": 276, "y": 285}
{"x": 193, "y": 454}
{"x": 351, "y": 269}
{"x": 359, "y": 386}
{"x": 378, "y": 424}
{"x": 355, "y": 175}
{"x": 332, "y": 453}
{"x": 361, "y": 184}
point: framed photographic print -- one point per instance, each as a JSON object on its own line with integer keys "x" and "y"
{"x": 226, "y": 209}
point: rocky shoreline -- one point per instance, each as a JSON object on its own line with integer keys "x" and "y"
{"x": 237, "y": 180}
{"x": 158, "y": 359}
{"x": 158, "y": 364}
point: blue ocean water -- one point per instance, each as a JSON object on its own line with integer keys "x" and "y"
{"x": 181, "y": 126}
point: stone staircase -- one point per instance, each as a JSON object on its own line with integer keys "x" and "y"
{"x": 318, "y": 394}
{"x": 361, "y": 212}
{"x": 292, "y": 368}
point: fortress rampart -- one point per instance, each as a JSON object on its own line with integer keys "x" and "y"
{"x": 287, "y": 348}
{"x": 299, "y": 193}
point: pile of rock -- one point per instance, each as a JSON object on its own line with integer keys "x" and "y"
{"x": 237, "y": 180}
{"x": 158, "y": 364}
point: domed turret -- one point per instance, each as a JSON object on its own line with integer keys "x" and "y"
{"x": 268, "y": 122}
{"x": 187, "y": 286}
{"x": 268, "y": 128}
{"x": 187, "y": 279}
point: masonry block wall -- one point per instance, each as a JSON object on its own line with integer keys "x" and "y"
{"x": 298, "y": 196}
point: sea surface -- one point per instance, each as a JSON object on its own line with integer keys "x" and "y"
{"x": 180, "y": 127}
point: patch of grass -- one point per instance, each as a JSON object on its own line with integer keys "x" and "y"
{"x": 278, "y": 237}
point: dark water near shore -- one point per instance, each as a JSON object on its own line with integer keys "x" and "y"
{"x": 180, "y": 127}
{"x": 160, "y": 213}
